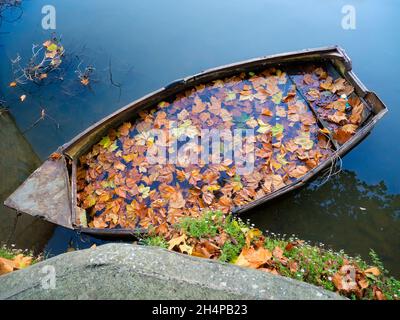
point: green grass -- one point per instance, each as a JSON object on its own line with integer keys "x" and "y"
{"x": 314, "y": 264}
{"x": 7, "y": 253}
{"x": 205, "y": 226}
{"x": 155, "y": 241}
{"x": 10, "y": 253}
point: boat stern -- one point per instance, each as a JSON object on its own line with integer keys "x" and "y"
{"x": 45, "y": 194}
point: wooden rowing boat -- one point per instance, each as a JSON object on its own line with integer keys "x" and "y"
{"x": 54, "y": 193}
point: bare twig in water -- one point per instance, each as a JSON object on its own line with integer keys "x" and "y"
{"x": 335, "y": 167}
{"x": 118, "y": 85}
{"x": 84, "y": 76}
{"x": 45, "y": 59}
{"x": 43, "y": 115}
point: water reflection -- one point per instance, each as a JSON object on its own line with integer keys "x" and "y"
{"x": 344, "y": 213}
{"x": 17, "y": 161}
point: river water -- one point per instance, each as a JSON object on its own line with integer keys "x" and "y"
{"x": 150, "y": 43}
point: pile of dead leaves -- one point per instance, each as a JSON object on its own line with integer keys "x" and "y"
{"x": 350, "y": 279}
{"x": 334, "y": 100}
{"x": 18, "y": 262}
{"x": 287, "y": 259}
{"x": 118, "y": 187}
{"x": 256, "y": 256}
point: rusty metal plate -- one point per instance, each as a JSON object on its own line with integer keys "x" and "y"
{"x": 45, "y": 194}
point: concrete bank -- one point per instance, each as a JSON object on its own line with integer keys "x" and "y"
{"x": 124, "y": 271}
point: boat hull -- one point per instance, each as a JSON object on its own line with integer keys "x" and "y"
{"x": 58, "y": 202}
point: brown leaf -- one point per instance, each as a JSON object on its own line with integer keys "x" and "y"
{"x": 357, "y": 112}
{"x": 177, "y": 201}
{"x": 199, "y": 105}
{"x": 363, "y": 283}
{"x": 253, "y": 258}
{"x": 298, "y": 172}
{"x": 338, "y": 117}
{"x": 344, "y": 279}
{"x": 292, "y": 266}
{"x": 277, "y": 253}
{"x": 266, "y": 112}
{"x": 378, "y": 294}
{"x": 55, "y": 156}
{"x": 344, "y": 133}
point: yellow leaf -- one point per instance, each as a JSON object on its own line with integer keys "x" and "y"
{"x": 251, "y": 234}
{"x": 176, "y": 241}
{"x": 325, "y": 130}
{"x": 184, "y": 248}
{"x": 373, "y": 270}
{"x": 22, "y": 261}
{"x": 13, "y": 84}
{"x": 52, "y": 47}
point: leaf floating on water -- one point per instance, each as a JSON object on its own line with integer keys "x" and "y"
{"x": 298, "y": 172}
{"x": 264, "y": 127}
{"x": 85, "y": 81}
{"x": 277, "y": 129}
{"x": 343, "y": 134}
{"x": 304, "y": 141}
{"x": 22, "y": 98}
{"x": 13, "y": 84}
{"x": 119, "y": 186}
{"x": 277, "y": 98}
{"x": 105, "y": 142}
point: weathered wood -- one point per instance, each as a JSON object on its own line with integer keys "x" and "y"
{"x": 53, "y": 181}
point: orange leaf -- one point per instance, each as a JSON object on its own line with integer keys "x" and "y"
{"x": 22, "y": 261}
{"x": 363, "y": 283}
{"x": 298, "y": 172}
{"x": 199, "y": 105}
{"x": 344, "y": 133}
{"x": 55, "y": 156}
{"x": 338, "y": 117}
{"x": 373, "y": 270}
{"x": 6, "y": 266}
{"x": 266, "y": 112}
{"x": 85, "y": 81}
{"x": 253, "y": 258}
{"x": 277, "y": 253}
